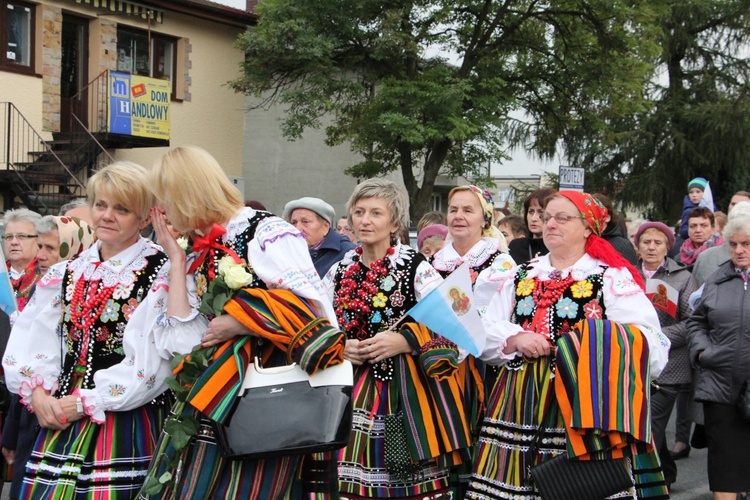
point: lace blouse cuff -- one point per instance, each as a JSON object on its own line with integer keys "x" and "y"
{"x": 91, "y": 405}
{"x": 27, "y": 388}
{"x": 169, "y": 321}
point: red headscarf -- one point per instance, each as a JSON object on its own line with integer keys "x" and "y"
{"x": 595, "y": 216}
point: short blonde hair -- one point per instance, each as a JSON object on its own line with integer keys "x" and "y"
{"x": 394, "y": 195}
{"x": 194, "y": 188}
{"x": 126, "y": 183}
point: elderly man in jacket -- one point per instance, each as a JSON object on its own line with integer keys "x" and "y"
{"x": 313, "y": 217}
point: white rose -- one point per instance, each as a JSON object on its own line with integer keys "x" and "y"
{"x": 226, "y": 263}
{"x": 183, "y": 242}
{"x": 237, "y": 277}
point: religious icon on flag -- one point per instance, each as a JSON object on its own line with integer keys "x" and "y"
{"x": 662, "y": 296}
{"x": 7, "y": 295}
{"x": 449, "y": 310}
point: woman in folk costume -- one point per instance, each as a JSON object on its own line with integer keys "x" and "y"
{"x": 405, "y": 437}
{"x": 196, "y": 198}
{"x": 60, "y": 238}
{"x": 475, "y": 240}
{"x": 78, "y": 367}
{"x": 582, "y": 278}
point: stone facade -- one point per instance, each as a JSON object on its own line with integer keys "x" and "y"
{"x": 51, "y": 67}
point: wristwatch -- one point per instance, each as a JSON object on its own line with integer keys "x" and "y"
{"x": 79, "y": 407}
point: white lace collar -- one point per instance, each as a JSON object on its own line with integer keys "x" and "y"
{"x": 238, "y": 224}
{"x": 448, "y": 259}
{"x": 582, "y": 269}
{"x": 121, "y": 268}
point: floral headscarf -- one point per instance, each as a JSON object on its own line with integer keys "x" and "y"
{"x": 488, "y": 206}
{"x": 75, "y": 236}
{"x": 595, "y": 215}
{"x": 592, "y": 210}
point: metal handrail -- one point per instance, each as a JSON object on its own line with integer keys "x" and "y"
{"x": 24, "y": 152}
{"x": 22, "y": 142}
{"x": 98, "y": 97}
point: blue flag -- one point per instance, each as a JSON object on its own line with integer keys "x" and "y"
{"x": 449, "y": 310}
{"x": 7, "y": 295}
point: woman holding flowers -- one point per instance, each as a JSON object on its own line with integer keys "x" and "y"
{"x": 92, "y": 381}
{"x": 372, "y": 288}
{"x": 248, "y": 249}
{"x": 536, "y": 310}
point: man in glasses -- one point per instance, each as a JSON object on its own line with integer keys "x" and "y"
{"x": 21, "y": 247}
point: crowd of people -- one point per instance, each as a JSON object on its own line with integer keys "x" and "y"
{"x": 576, "y": 304}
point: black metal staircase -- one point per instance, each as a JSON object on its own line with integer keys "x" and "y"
{"x": 45, "y": 174}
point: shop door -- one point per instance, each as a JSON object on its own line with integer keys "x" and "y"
{"x": 75, "y": 57}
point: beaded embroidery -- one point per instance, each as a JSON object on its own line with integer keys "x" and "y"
{"x": 551, "y": 307}
{"x": 398, "y": 296}
{"x": 93, "y": 327}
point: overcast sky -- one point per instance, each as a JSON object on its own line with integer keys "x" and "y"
{"x": 237, "y": 4}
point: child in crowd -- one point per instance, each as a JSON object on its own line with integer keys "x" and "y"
{"x": 512, "y": 227}
{"x": 696, "y": 187}
{"x": 431, "y": 239}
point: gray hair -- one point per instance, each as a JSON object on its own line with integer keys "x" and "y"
{"x": 394, "y": 195}
{"x": 78, "y": 202}
{"x": 739, "y": 224}
{"x": 46, "y": 224}
{"x": 21, "y": 215}
{"x": 740, "y": 209}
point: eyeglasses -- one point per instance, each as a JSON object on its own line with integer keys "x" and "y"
{"x": 561, "y": 219}
{"x": 19, "y": 236}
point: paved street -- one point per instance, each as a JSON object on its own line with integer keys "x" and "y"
{"x": 692, "y": 483}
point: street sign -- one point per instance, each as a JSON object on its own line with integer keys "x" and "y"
{"x": 571, "y": 178}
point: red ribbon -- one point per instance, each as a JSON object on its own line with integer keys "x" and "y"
{"x": 205, "y": 243}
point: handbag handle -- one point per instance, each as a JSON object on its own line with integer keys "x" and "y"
{"x": 276, "y": 369}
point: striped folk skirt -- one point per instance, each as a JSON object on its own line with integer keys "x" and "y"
{"x": 363, "y": 472}
{"x": 89, "y": 460}
{"x": 521, "y": 400}
{"x": 204, "y": 473}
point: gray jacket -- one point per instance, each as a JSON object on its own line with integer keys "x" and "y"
{"x": 720, "y": 329}
{"x": 678, "y": 369}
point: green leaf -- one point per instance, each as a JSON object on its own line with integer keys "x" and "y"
{"x": 152, "y": 486}
{"x": 180, "y": 438}
{"x": 176, "y": 360}
{"x": 165, "y": 477}
{"x": 205, "y": 307}
{"x": 180, "y": 390}
{"x": 219, "y": 302}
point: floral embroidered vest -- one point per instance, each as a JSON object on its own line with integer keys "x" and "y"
{"x": 102, "y": 348}
{"x": 577, "y": 301}
{"x": 395, "y": 295}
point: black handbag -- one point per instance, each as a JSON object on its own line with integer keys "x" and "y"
{"x": 284, "y": 411}
{"x": 563, "y": 478}
{"x": 743, "y": 402}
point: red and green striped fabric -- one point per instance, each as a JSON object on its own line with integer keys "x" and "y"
{"x": 602, "y": 388}
{"x": 434, "y": 415}
{"x": 288, "y": 322}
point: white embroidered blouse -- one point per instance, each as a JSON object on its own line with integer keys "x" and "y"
{"x": 624, "y": 301}
{"x": 278, "y": 255}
